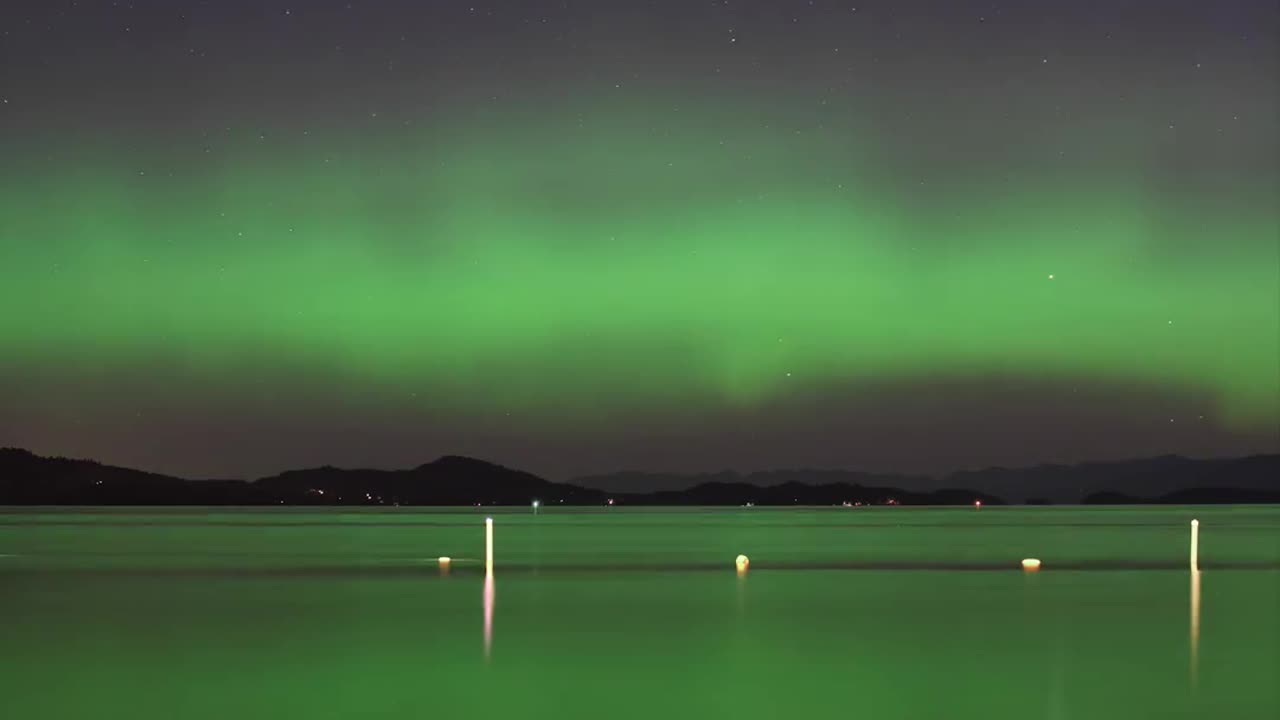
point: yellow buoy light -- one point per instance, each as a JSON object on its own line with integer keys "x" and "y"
{"x": 1031, "y": 564}
{"x": 742, "y": 561}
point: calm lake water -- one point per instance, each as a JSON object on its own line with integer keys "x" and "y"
{"x": 638, "y": 613}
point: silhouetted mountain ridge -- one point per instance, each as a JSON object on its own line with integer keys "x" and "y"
{"x": 29, "y": 479}
{"x": 1150, "y": 478}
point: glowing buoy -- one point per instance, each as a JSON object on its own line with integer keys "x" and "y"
{"x": 741, "y": 562}
{"x": 445, "y": 560}
{"x": 1031, "y": 564}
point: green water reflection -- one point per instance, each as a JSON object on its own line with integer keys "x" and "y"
{"x": 885, "y": 613}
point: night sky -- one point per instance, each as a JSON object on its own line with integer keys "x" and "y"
{"x": 238, "y": 236}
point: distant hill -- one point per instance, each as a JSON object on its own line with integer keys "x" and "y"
{"x": 451, "y": 480}
{"x": 1147, "y": 478}
{"x": 1143, "y": 480}
{"x": 796, "y": 493}
{"x": 29, "y": 479}
{"x": 644, "y": 482}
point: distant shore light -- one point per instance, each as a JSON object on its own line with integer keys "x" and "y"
{"x": 742, "y": 562}
{"x": 1031, "y": 564}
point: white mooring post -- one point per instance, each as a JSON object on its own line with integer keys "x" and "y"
{"x": 1195, "y": 546}
{"x": 488, "y": 545}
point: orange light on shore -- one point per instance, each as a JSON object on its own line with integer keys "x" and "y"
{"x": 1030, "y": 564}
{"x": 742, "y": 562}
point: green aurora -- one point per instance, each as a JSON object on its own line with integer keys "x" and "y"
{"x": 503, "y": 266}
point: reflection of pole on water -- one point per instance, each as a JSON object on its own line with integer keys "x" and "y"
{"x": 488, "y": 587}
{"x": 1195, "y": 603}
{"x": 488, "y": 615}
{"x": 1195, "y": 628}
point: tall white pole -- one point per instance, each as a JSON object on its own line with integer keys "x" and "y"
{"x": 488, "y": 546}
{"x": 1195, "y": 546}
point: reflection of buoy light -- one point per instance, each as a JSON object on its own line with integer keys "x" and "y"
{"x": 1031, "y": 564}
{"x": 741, "y": 562}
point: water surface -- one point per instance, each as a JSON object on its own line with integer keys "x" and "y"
{"x": 590, "y": 613}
